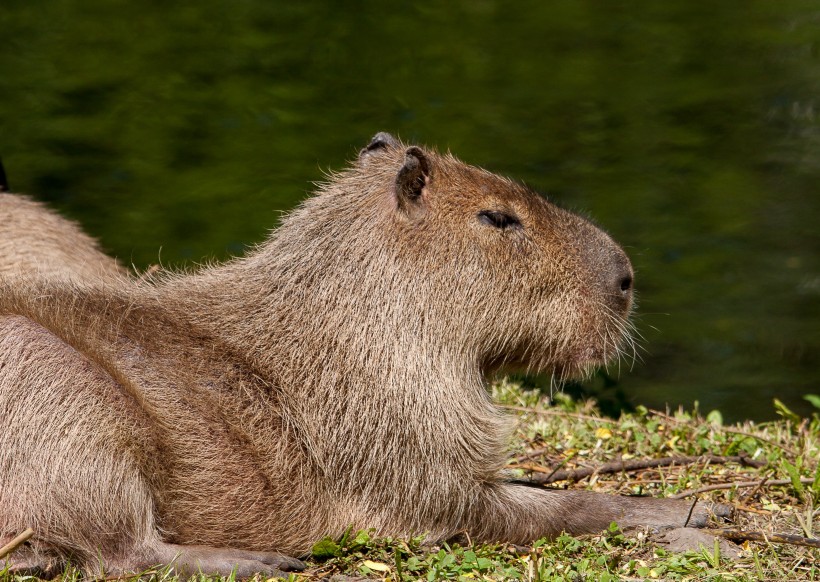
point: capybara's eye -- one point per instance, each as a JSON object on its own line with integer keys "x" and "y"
{"x": 497, "y": 219}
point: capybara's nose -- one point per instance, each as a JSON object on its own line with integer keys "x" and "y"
{"x": 620, "y": 280}
{"x": 625, "y": 283}
{"x": 610, "y": 268}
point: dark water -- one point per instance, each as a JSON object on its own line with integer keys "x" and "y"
{"x": 689, "y": 130}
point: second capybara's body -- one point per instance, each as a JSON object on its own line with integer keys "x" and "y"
{"x": 35, "y": 241}
{"x": 334, "y": 377}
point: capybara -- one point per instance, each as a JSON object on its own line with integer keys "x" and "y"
{"x": 36, "y": 241}
{"x": 336, "y": 376}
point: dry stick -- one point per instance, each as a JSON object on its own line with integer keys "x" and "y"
{"x": 532, "y": 454}
{"x": 691, "y": 509}
{"x": 632, "y": 465}
{"x": 804, "y": 480}
{"x": 531, "y": 467}
{"x": 543, "y": 412}
{"x": 13, "y": 544}
{"x": 747, "y": 509}
{"x": 755, "y": 489}
{"x": 757, "y": 536}
{"x": 668, "y": 417}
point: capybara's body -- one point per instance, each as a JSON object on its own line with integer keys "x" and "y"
{"x": 334, "y": 377}
{"x": 38, "y": 242}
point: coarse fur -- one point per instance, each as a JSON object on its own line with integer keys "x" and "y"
{"x": 334, "y": 377}
{"x": 39, "y": 242}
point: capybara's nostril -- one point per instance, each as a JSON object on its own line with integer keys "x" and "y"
{"x": 626, "y": 283}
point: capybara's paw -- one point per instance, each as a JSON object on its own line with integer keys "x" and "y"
{"x": 723, "y": 511}
{"x": 286, "y": 563}
{"x": 659, "y": 514}
{"x": 191, "y": 560}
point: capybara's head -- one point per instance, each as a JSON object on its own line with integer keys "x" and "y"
{"x": 456, "y": 256}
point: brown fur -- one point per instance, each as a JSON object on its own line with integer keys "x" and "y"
{"x": 334, "y": 377}
{"x": 35, "y": 240}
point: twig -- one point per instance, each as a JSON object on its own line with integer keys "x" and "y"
{"x": 747, "y": 509}
{"x": 559, "y": 465}
{"x": 757, "y": 536}
{"x": 543, "y": 412}
{"x": 539, "y": 469}
{"x": 805, "y": 480}
{"x": 668, "y": 417}
{"x": 691, "y": 509}
{"x": 533, "y": 454}
{"x": 633, "y": 465}
{"x": 754, "y": 490}
{"x": 531, "y": 467}
{"x": 15, "y": 543}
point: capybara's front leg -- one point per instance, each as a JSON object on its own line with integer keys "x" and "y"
{"x": 521, "y": 514}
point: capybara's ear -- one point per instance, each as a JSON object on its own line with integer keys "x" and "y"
{"x": 381, "y": 141}
{"x": 4, "y": 184}
{"x": 411, "y": 181}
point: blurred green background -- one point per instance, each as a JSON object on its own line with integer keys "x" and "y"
{"x": 179, "y": 131}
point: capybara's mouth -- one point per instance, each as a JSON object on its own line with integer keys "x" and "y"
{"x": 582, "y": 364}
{"x": 578, "y": 365}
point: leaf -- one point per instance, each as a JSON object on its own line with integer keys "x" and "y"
{"x": 346, "y": 536}
{"x": 785, "y": 412}
{"x": 814, "y": 399}
{"x": 715, "y": 417}
{"x": 362, "y": 538}
{"x": 447, "y": 561}
{"x": 324, "y": 549}
{"x": 484, "y": 563}
{"x": 815, "y": 486}
{"x": 794, "y": 476}
{"x": 376, "y": 566}
{"x": 603, "y": 433}
{"x": 769, "y": 505}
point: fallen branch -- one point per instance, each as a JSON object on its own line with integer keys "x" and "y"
{"x": 627, "y": 466}
{"x": 758, "y": 536}
{"x": 15, "y": 543}
{"x": 739, "y": 484}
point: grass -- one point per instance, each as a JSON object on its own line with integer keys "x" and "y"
{"x": 572, "y": 435}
